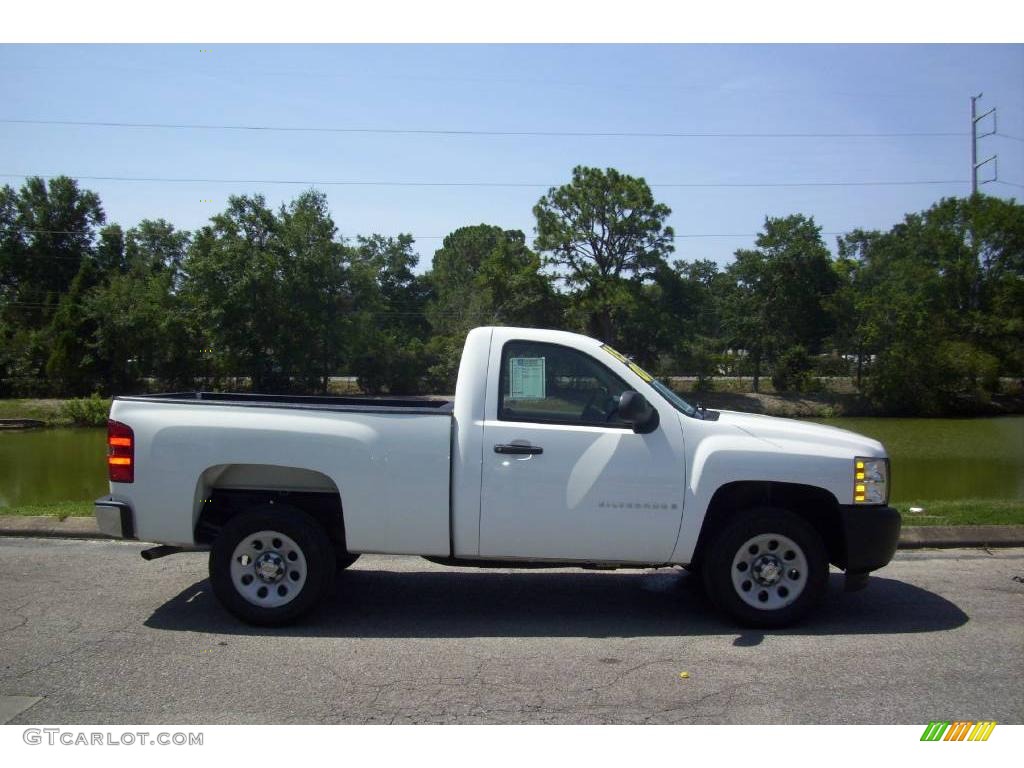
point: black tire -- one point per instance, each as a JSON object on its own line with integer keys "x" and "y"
{"x": 758, "y": 596}
{"x": 301, "y": 548}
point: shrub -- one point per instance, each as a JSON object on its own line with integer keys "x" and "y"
{"x": 792, "y": 372}
{"x": 89, "y": 411}
{"x": 827, "y": 365}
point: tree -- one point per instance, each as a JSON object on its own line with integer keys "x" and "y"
{"x": 156, "y": 246}
{"x": 47, "y": 236}
{"x": 54, "y": 227}
{"x": 599, "y": 232}
{"x": 780, "y": 292}
{"x": 316, "y": 295}
{"x": 391, "y": 325}
{"x": 483, "y": 275}
{"x": 699, "y": 346}
{"x": 936, "y": 304}
{"x": 233, "y": 284}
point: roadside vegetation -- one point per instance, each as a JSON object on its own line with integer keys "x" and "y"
{"x": 59, "y": 509}
{"x": 44, "y": 410}
{"x": 56, "y": 412}
{"x": 926, "y": 318}
{"x": 963, "y": 512}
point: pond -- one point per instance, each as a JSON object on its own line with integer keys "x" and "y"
{"x": 931, "y": 459}
{"x": 44, "y": 466}
{"x": 946, "y": 459}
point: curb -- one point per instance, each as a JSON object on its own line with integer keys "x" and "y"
{"x": 948, "y": 536}
{"x": 51, "y": 527}
{"x": 926, "y": 537}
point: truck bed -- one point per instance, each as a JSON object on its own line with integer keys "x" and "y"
{"x": 365, "y": 404}
{"x": 387, "y": 458}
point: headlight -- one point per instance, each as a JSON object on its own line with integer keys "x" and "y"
{"x": 870, "y": 481}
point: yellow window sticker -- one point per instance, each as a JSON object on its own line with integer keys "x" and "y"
{"x": 632, "y": 366}
{"x": 641, "y": 373}
{"x": 617, "y": 355}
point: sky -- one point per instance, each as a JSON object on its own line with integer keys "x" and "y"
{"x": 723, "y": 89}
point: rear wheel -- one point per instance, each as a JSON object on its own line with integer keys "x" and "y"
{"x": 767, "y": 569}
{"x": 271, "y": 565}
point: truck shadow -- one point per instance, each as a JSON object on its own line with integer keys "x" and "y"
{"x": 428, "y": 604}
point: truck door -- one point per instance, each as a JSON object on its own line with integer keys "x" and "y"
{"x": 563, "y": 478}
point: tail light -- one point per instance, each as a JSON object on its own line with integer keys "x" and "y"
{"x": 120, "y": 452}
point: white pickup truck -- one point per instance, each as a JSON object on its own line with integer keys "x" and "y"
{"x": 557, "y": 450}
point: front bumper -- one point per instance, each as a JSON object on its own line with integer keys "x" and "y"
{"x": 870, "y": 534}
{"x": 114, "y": 518}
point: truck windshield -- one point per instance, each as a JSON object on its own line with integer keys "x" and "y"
{"x": 674, "y": 400}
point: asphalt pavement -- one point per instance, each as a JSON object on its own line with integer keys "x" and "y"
{"x": 91, "y": 633}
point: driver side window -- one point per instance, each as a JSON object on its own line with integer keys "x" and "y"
{"x": 543, "y": 382}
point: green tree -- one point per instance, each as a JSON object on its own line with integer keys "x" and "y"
{"x": 779, "y": 298}
{"x": 47, "y": 235}
{"x": 390, "y": 315}
{"x": 935, "y": 303}
{"x": 316, "y": 294}
{"x": 51, "y": 231}
{"x": 233, "y": 285}
{"x": 599, "y": 232}
{"x": 141, "y": 326}
{"x": 483, "y": 275}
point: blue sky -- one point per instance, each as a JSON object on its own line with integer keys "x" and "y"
{"x": 589, "y": 88}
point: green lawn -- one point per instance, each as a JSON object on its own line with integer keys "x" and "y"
{"x": 47, "y": 410}
{"x": 60, "y": 509}
{"x": 970, "y": 512}
{"x": 964, "y": 512}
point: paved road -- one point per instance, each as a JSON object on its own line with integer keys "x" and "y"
{"x": 103, "y": 637}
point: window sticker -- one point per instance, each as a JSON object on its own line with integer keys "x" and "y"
{"x": 632, "y": 366}
{"x": 527, "y": 381}
{"x": 617, "y": 355}
{"x": 641, "y": 373}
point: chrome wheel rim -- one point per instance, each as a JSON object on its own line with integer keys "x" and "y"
{"x": 769, "y": 571}
{"x": 268, "y": 569}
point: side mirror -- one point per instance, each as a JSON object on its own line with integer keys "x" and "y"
{"x": 634, "y": 408}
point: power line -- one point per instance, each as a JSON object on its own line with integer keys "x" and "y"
{"x": 1008, "y": 136}
{"x": 603, "y": 84}
{"x": 513, "y": 184}
{"x": 433, "y": 237}
{"x": 472, "y": 132}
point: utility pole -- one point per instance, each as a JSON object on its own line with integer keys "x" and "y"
{"x": 975, "y": 165}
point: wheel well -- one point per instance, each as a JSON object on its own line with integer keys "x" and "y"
{"x": 816, "y": 506}
{"x": 224, "y": 503}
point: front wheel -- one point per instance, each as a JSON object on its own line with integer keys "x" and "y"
{"x": 767, "y": 569}
{"x": 271, "y": 565}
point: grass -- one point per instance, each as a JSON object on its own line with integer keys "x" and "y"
{"x": 964, "y": 512}
{"x": 46, "y": 410}
{"x": 967, "y": 512}
{"x": 59, "y": 509}
{"x": 83, "y": 411}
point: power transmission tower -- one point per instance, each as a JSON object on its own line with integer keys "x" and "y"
{"x": 975, "y": 165}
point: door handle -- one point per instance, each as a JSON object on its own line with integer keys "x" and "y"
{"x": 518, "y": 448}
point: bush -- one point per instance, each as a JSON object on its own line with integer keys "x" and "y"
{"x": 933, "y": 380}
{"x": 832, "y": 367}
{"x": 89, "y": 411}
{"x": 392, "y": 367}
{"x": 972, "y": 372}
{"x": 792, "y": 372}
